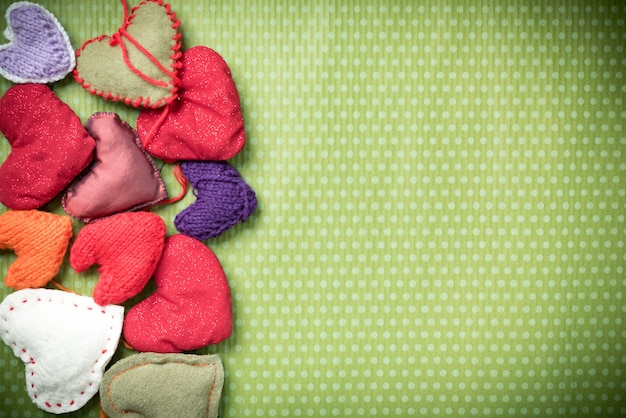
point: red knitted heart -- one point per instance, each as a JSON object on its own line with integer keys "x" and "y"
{"x": 191, "y": 307}
{"x": 206, "y": 122}
{"x": 127, "y": 246}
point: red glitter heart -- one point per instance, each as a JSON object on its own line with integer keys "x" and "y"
{"x": 191, "y": 307}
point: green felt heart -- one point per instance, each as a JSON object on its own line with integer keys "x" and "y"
{"x": 137, "y": 65}
{"x": 150, "y": 385}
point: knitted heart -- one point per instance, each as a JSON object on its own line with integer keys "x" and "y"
{"x": 191, "y": 307}
{"x": 40, "y": 240}
{"x": 163, "y": 386}
{"x": 223, "y": 199}
{"x": 65, "y": 341}
{"x": 122, "y": 177}
{"x": 138, "y": 64}
{"x": 49, "y": 146}
{"x": 39, "y": 50}
{"x": 206, "y": 123}
{"x": 127, "y": 246}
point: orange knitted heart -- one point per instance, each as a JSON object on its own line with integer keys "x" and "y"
{"x": 40, "y": 240}
{"x": 138, "y": 64}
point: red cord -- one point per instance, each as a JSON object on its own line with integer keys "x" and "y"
{"x": 178, "y": 174}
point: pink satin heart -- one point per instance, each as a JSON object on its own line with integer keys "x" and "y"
{"x": 122, "y": 177}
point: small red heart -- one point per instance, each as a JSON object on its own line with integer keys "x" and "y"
{"x": 127, "y": 246}
{"x": 191, "y": 307}
{"x": 206, "y": 122}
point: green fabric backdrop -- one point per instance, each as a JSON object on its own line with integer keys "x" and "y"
{"x": 442, "y": 202}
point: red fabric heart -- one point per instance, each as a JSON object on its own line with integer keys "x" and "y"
{"x": 206, "y": 122}
{"x": 127, "y": 246}
{"x": 49, "y": 146}
{"x": 191, "y": 307}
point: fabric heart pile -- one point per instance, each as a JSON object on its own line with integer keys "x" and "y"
{"x": 105, "y": 174}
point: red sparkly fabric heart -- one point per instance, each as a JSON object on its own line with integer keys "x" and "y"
{"x": 191, "y": 307}
{"x": 49, "y": 146}
{"x": 206, "y": 122}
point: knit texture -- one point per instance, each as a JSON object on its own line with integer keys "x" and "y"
{"x": 40, "y": 241}
{"x": 138, "y": 64}
{"x": 49, "y": 146}
{"x": 163, "y": 386}
{"x": 127, "y": 246}
{"x": 39, "y": 50}
{"x": 223, "y": 199}
{"x": 191, "y": 307}
{"x": 121, "y": 178}
{"x": 206, "y": 123}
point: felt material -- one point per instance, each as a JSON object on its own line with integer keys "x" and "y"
{"x": 206, "y": 123}
{"x": 121, "y": 178}
{"x": 39, "y": 50}
{"x": 223, "y": 199}
{"x": 65, "y": 341}
{"x": 138, "y": 64}
{"x": 191, "y": 307}
{"x": 40, "y": 241}
{"x": 127, "y": 246}
{"x": 163, "y": 386}
{"x": 49, "y": 146}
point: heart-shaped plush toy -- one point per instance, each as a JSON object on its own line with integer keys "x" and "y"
{"x": 39, "y": 50}
{"x": 40, "y": 240}
{"x": 127, "y": 246}
{"x": 49, "y": 146}
{"x": 163, "y": 386}
{"x": 137, "y": 65}
{"x": 122, "y": 177}
{"x": 65, "y": 341}
{"x": 206, "y": 122}
{"x": 223, "y": 199}
{"x": 191, "y": 307}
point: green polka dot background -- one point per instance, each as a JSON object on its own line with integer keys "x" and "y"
{"x": 442, "y": 206}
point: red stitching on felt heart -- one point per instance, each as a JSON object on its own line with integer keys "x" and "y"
{"x": 117, "y": 39}
{"x": 32, "y": 360}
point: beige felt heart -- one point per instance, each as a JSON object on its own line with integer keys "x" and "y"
{"x": 163, "y": 386}
{"x": 138, "y": 65}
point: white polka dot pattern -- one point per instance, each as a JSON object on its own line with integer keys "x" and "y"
{"x": 442, "y": 205}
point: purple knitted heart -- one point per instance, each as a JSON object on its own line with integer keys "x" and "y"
{"x": 223, "y": 199}
{"x": 39, "y": 50}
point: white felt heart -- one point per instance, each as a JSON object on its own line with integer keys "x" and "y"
{"x": 65, "y": 341}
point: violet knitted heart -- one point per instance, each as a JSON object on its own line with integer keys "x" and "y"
{"x": 39, "y": 50}
{"x": 223, "y": 199}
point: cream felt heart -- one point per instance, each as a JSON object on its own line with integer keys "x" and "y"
{"x": 65, "y": 341}
{"x": 138, "y": 64}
